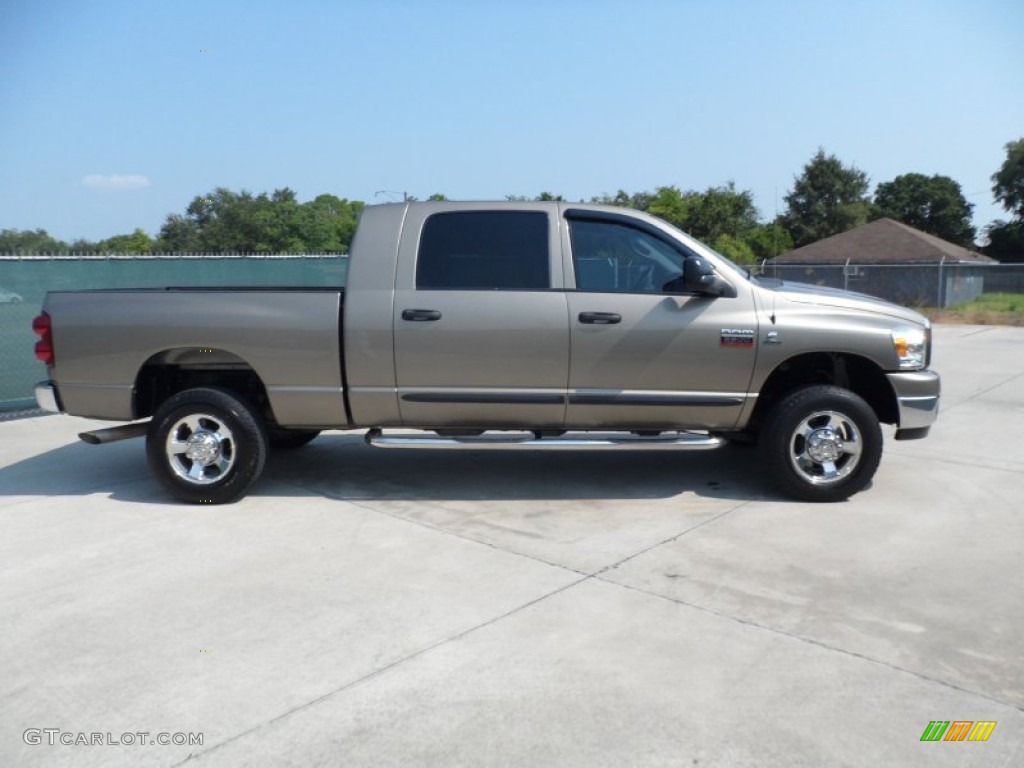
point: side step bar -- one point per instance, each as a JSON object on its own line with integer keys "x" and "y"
{"x": 571, "y": 441}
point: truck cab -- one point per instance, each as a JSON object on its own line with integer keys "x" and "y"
{"x": 581, "y": 326}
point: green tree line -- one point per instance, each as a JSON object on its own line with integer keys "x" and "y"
{"x": 826, "y": 198}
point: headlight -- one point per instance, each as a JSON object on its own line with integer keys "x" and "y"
{"x": 911, "y": 346}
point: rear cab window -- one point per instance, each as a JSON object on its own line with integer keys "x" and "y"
{"x": 484, "y": 250}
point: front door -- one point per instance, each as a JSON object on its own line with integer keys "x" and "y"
{"x": 645, "y": 355}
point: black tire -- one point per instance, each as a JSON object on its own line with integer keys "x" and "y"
{"x": 821, "y": 443}
{"x": 740, "y": 439}
{"x": 206, "y": 446}
{"x": 290, "y": 439}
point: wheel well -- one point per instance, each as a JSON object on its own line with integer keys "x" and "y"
{"x": 857, "y": 374}
{"x": 173, "y": 371}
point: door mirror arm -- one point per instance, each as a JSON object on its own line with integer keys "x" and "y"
{"x": 700, "y": 277}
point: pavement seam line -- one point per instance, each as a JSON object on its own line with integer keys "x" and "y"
{"x": 670, "y": 539}
{"x": 811, "y": 641}
{"x": 585, "y": 577}
{"x": 955, "y": 463}
{"x": 437, "y": 529}
{"x": 382, "y": 670}
{"x": 971, "y": 398}
{"x": 541, "y": 560}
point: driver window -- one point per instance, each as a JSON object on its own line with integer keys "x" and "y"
{"x": 614, "y": 258}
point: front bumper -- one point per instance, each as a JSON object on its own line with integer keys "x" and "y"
{"x": 917, "y": 399}
{"x": 47, "y": 397}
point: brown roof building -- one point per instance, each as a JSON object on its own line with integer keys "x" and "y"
{"x": 884, "y": 241}
{"x": 891, "y": 260}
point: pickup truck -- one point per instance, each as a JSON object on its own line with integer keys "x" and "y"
{"x": 544, "y": 325}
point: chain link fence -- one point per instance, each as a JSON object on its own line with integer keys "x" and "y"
{"x": 24, "y": 281}
{"x": 937, "y": 285}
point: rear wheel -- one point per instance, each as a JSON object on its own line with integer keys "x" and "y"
{"x": 822, "y": 443}
{"x": 206, "y": 446}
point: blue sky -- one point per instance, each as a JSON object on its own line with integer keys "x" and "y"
{"x": 115, "y": 114}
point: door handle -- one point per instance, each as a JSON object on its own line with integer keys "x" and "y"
{"x": 420, "y": 315}
{"x": 600, "y": 318}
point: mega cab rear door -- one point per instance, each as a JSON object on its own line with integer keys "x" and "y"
{"x": 481, "y": 328}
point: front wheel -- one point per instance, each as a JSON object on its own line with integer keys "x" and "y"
{"x": 822, "y": 443}
{"x": 206, "y": 446}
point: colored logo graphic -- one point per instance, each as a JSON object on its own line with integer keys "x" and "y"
{"x": 958, "y": 730}
{"x": 737, "y": 337}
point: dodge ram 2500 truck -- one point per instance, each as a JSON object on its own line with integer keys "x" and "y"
{"x": 498, "y": 325}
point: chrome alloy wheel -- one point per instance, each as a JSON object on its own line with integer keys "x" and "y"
{"x": 825, "y": 447}
{"x": 200, "y": 449}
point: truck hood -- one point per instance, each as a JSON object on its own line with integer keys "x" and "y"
{"x": 803, "y": 293}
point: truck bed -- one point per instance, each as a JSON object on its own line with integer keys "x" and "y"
{"x": 105, "y": 341}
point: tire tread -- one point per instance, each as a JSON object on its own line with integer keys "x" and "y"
{"x": 250, "y": 440}
{"x": 784, "y": 417}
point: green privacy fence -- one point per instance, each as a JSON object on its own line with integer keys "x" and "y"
{"x": 24, "y": 281}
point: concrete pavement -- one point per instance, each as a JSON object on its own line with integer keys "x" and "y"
{"x": 422, "y": 608}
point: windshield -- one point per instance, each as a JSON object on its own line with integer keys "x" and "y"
{"x": 743, "y": 272}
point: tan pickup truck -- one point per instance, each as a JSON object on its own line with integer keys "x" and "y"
{"x": 544, "y": 325}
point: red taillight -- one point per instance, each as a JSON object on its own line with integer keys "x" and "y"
{"x": 44, "y": 347}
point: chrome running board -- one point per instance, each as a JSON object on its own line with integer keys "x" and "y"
{"x": 570, "y": 441}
